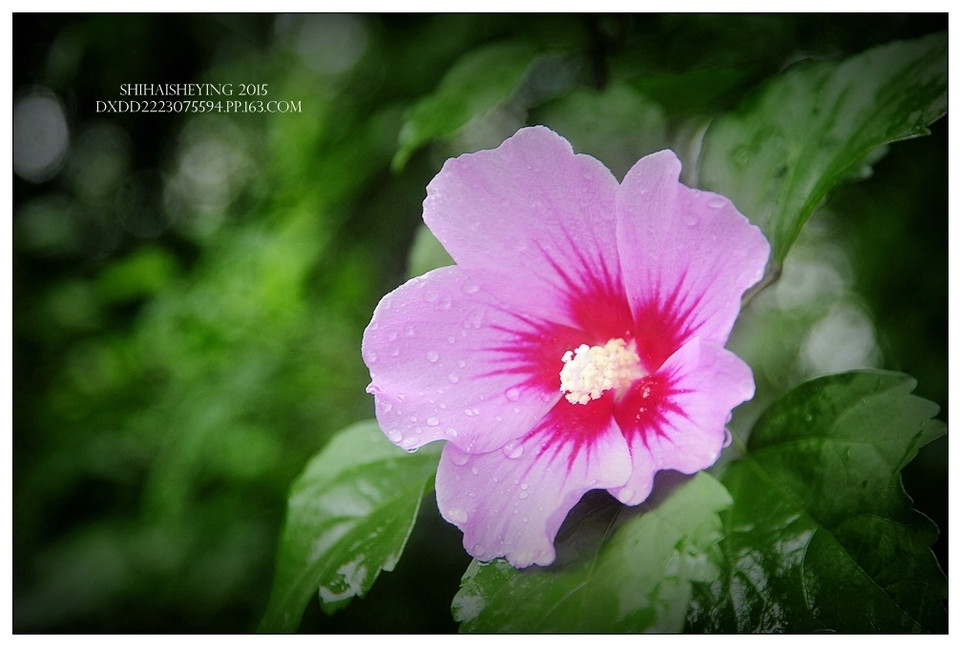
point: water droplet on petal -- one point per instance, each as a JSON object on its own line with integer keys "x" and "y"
{"x": 691, "y": 221}
{"x": 475, "y": 471}
{"x": 394, "y": 352}
{"x": 727, "y": 437}
{"x": 394, "y": 436}
{"x": 372, "y": 357}
{"x": 716, "y": 203}
{"x": 513, "y": 450}
{"x": 513, "y": 394}
{"x": 627, "y": 494}
{"x": 432, "y": 356}
{"x": 470, "y": 288}
{"x": 452, "y": 432}
{"x": 392, "y": 336}
{"x": 409, "y": 443}
{"x": 478, "y": 550}
{"x": 453, "y": 378}
{"x": 433, "y": 421}
{"x": 459, "y": 459}
{"x": 457, "y": 516}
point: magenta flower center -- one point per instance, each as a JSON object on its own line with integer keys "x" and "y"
{"x": 590, "y": 371}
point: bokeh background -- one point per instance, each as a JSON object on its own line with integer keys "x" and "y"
{"x": 190, "y": 290}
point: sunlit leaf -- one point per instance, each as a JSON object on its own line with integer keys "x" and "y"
{"x": 821, "y": 535}
{"x": 348, "y": 517}
{"x": 619, "y": 569}
{"x": 780, "y": 154}
{"x": 473, "y": 85}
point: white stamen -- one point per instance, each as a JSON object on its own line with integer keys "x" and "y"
{"x": 590, "y": 371}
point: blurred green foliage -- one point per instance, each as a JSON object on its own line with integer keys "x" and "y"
{"x": 190, "y": 290}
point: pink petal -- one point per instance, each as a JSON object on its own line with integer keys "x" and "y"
{"x": 533, "y": 222}
{"x": 449, "y": 362}
{"x": 676, "y": 418}
{"x": 511, "y": 502}
{"x": 687, "y": 257}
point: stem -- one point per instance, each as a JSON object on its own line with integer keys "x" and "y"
{"x": 771, "y": 276}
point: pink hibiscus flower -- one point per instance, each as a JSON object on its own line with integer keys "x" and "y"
{"x": 577, "y": 343}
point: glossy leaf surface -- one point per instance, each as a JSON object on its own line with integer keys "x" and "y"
{"x": 475, "y": 84}
{"x": 349, "y": 516}
{"x": 779, "y": 155}
{"x": 821, "y": 535}
{"x": 619, "y": 569}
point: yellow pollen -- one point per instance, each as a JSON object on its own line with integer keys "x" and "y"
{"x": 589, "y": 371}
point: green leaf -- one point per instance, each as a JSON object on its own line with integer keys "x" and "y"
{"x": 348, "y": 517}
{"x": 618, "y": 125}
{"x": 426, "y": 253}
{"x": 636, "y": 578}
{"x": 476, "y": 83}
{"x": 821, "y": 535}
{"x": 780, "y": 154}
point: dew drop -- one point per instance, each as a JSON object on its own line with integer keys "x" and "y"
{"x": 459, "y": 459}
{"x": 453, "y": 378}
{"x": 471, "y": 412}
{"x": 470, "y": 288}
{"x": 451, "y": 339}
{"x": 432, "y": 421}
{"x": 513, "y": 450}
{"x": 461, "y": 364}
{"x": 691, "y": 221}
{"x": 432, "y": 356}
{"x": 451, "y": 432}
{"x": 394, "y": 352}
{"x": 432, "y": 296}
{"x": 372, "y": 358}
{"x": 478, "y": 550}
{"x": 524, "y": 494}
{"x": 394, "y": 436}
{"x": 457, "y": 516}
{"x": 727, "y": 437}
{"x": 475, "y": 471}
{"x": 716, "y": 203}
{"x": 409, "y": 443}
{"x": 627, "y": 494}
{"x": 392, "y": 336}
{"x": 513, "y": 394}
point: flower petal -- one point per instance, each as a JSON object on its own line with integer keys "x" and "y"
{"x": 687, "y": 257}
{"x": 511, "y": 502}
{"x": 676, "y": 418}
{"x": 534, "y": 219}
{"x": 448, "y": 361}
